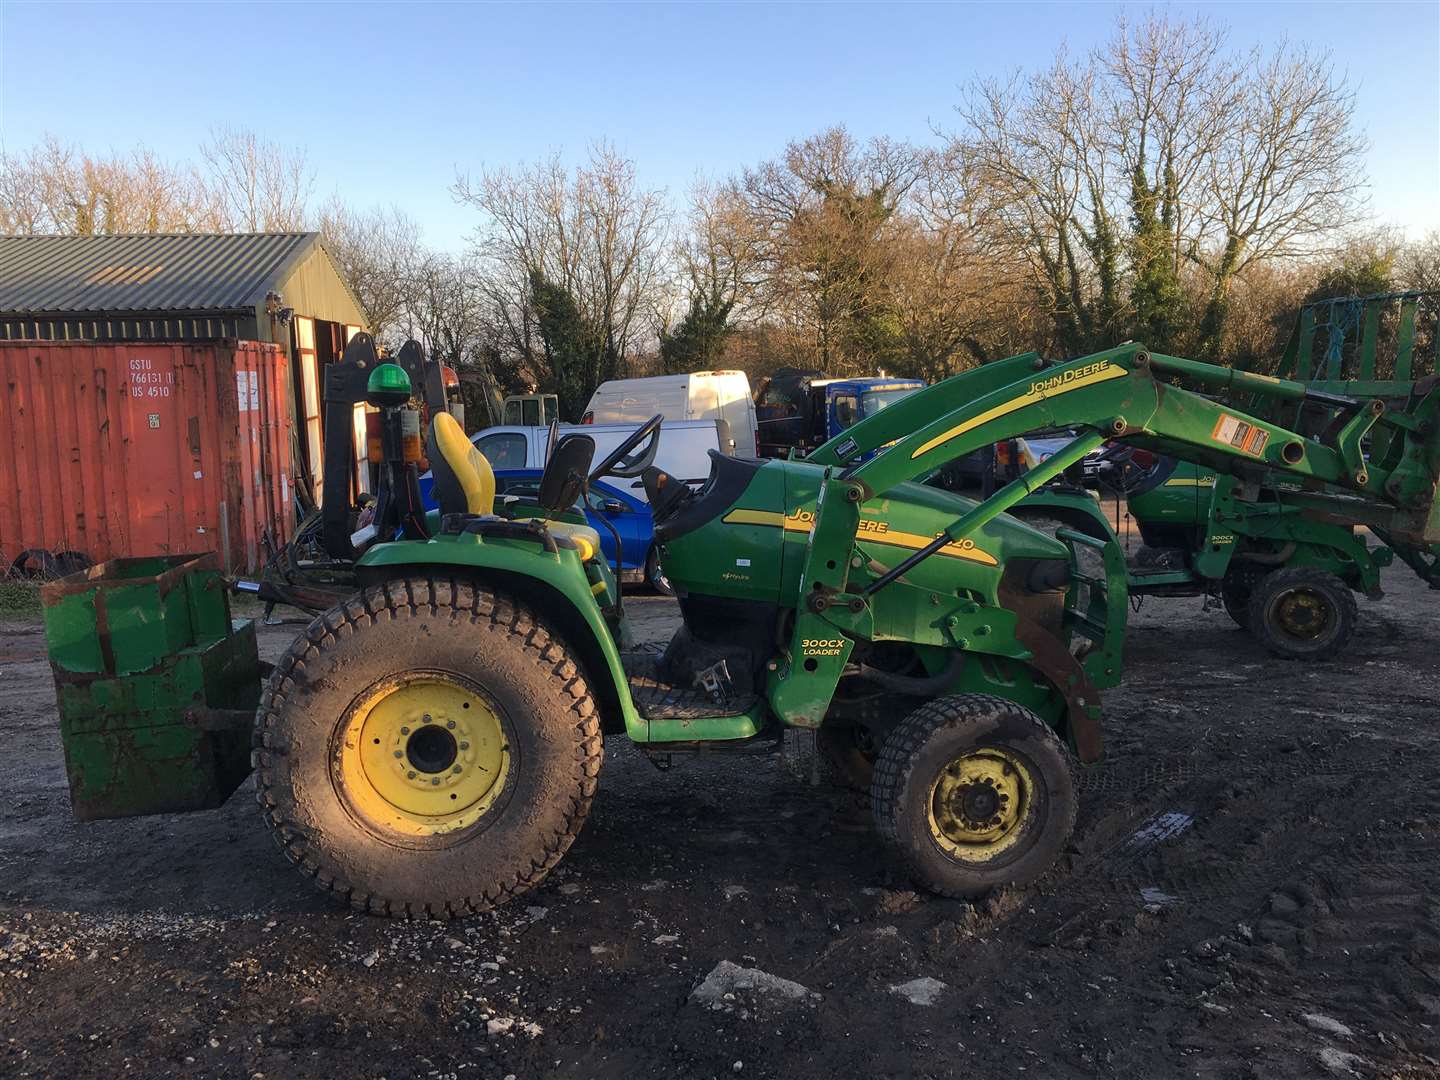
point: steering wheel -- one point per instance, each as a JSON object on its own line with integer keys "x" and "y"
{"x": 623, "y": 461}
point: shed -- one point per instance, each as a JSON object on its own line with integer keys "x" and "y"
{"x": 188, "y": 287}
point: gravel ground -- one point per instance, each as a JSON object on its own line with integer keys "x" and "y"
{"x": 1251, "y": 892}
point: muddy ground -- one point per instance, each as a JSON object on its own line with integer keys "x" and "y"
{"x": 1253, "y": 891}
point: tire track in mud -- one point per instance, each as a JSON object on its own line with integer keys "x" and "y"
{"x": 1312, "y": 787}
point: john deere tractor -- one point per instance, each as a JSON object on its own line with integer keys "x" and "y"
{"x": 431, "y": 745}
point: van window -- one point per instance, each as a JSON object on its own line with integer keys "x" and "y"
{"x": 847, "y": 410}
{"x": 504, "y": 450}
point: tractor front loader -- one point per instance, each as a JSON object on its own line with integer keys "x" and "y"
{"x": 430, "y": 746}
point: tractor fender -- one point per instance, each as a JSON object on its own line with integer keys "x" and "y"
{"x": 555, "y": 591}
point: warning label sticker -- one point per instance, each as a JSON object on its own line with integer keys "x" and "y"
{"x": 1242, "y": 435}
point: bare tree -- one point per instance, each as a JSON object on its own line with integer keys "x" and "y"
{"x": 820, "y": 221}
{"x": 957, "y": 298}
{"x": 446, "y": 309}
{"x": 1158, "y": 153}
{"x": 257, "y": 185}
{"x": 719, "y": 252}
{"x": 1419, "y": 264}
{"x": 377, "y": 251}
{"x": 1287, "y": 175}
{"x": 57, "y": 188}
{"x": 1040, "y": 148}
{"x": 593, "y": 233}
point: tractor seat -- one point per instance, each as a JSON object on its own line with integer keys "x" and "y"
{"x": 465, "y": 484}
{"x": 464, "y": 481}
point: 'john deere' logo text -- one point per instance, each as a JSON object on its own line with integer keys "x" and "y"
{"x": 1065, "y": 378}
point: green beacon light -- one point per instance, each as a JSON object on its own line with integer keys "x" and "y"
{"x": 388, "y": 385}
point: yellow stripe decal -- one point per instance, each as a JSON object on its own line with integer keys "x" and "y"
{"x": 959, "y": 549}
{"x": 1207, "y": 481}
{"x": 773, "y": 518}
{"x": 1103, "y": 371}
{"x": 800, "y": 521}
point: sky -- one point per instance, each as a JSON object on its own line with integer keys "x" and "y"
{"x": 391, "y": 100}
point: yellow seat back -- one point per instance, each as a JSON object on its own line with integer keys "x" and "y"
{"x": 464, "y": 481}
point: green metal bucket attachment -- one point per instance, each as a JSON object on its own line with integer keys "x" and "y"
{"x": 156, "y": 686}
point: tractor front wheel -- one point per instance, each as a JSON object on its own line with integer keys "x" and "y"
{"x": 1303, "y": 613}
{"x": 974, "y": 792}
{"x": 428, "y": 748}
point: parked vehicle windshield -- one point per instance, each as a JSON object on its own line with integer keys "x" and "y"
{"x": 872, "y": 401}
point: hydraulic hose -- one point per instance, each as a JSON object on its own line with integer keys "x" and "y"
{"x": 1277, "y": 558}
{"x": 919, "y": 686}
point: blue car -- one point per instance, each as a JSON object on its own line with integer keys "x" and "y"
{"x": 607, "y": 508}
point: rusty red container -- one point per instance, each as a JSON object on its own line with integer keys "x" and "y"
{"x": 132, "y": 449}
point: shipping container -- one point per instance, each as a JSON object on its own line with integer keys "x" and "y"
{"x": 135, "y": 449}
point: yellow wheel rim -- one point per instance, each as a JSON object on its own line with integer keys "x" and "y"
{"x": 423, "y": 754}
{"x": 1304, "y": 614}
{"x": 980, "y": 803}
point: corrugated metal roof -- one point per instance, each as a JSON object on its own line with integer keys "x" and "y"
{"x": 159, "y": 272}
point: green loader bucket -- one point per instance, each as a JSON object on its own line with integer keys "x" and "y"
{"x": 156, "y": 685}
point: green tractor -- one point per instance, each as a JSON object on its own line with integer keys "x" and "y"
{"x": 431, "y": 745}
{"x": 1284, "y": 557}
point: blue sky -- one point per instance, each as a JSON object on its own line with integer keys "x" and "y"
{"x": 390, "y": 99}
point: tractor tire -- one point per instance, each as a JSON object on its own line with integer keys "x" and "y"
{"x": 975, "y": 793}
{"x": 428, "y": 748}
{"x": 1303, "y": 613}
{"x": 655, "y": 574}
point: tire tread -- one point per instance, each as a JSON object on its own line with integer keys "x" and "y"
{"x": 485, "y": 610}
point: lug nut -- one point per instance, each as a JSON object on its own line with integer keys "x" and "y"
{"x": 399, "y": 754}
{"x": 410, "y": 775}
{"x": 449, "y": 723}
{"x": 404, "y": 731}
{"x": 425, "y": 719}
{"x": 456, "y": 769}
{"x": 464, "y": 746}
{"x": 435, "y": 782}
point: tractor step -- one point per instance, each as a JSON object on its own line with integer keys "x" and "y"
{"x": 656, "y": 699}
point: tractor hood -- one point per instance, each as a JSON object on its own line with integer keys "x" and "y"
{"x": 743, "y": 536}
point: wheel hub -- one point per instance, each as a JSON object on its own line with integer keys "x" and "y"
{"x": 423, "y": 754}
{"x": 1304, "y": 613}
{"x": 980, "y": 803}
{"x": 431, "y": 749}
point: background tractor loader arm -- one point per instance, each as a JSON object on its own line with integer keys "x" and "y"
{"x": 1119, "y": 395}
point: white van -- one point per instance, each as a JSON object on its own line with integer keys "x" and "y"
{"x": 682, "y": 451}
{"x": 701, "y": 395}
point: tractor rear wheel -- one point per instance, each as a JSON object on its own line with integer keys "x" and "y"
{"x": 1303, "y": 613}
{"x": 428, "y": 748}
{"x": 974, "y": 792}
